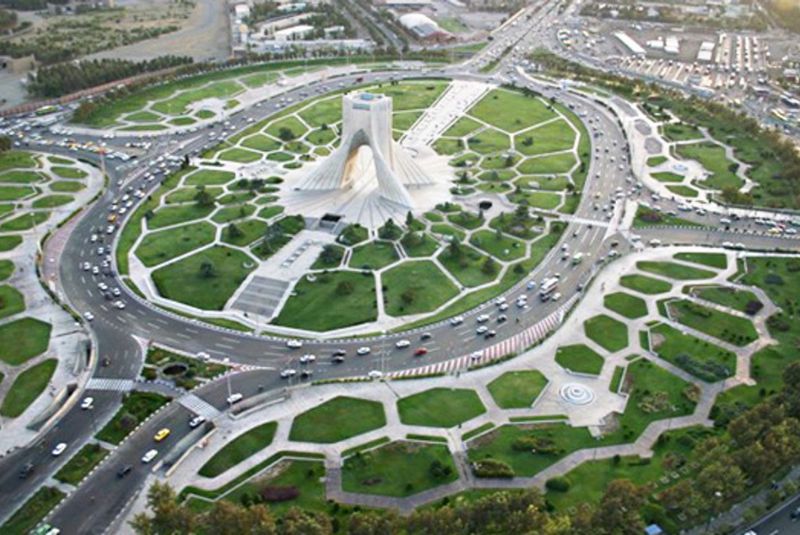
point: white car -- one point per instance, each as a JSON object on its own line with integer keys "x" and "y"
{"x": 363, "y": 351}
{"x": 120, "y": 304}
{"x": 286, "y": 374}
{"x": 483, "y": 318}
{"x": 307, "y": 359}
{"x": 88, "y": 315}
{"x": 458, "y": 320}
{"x": 375, "y": 374}
{"x": 116, "y": 292}
{"x": 234, "y": 398}
{"x": 196, "y": 421}
{"x": 294, "y": 344}
{"x": 482, "y": 329}
{"x": 95, "y": 270}
{"x": 149, "y": 456}
{"x": 59, "y": 449}
{"x": 87, "y": 266}
{"x": 402, "y": 344}
{"x": 93, "y": 239}
{"x": 87, "y": 403}
{"x": 103, "y": 286}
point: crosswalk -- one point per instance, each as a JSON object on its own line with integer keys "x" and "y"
{"x": 515, "y": 344}
{"x": 198, "y": 406}
{"x": 110, "y": 385}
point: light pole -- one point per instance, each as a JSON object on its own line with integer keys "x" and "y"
{"x": 226, "y": 361}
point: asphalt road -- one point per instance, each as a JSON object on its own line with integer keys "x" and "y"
{"x": 96, "y": 503}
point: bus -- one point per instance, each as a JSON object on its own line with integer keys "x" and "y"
{"x": 547, "y": 288}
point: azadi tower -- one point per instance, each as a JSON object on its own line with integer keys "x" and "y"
{"x": 367, "y": 121}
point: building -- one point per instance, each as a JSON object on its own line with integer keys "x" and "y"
{"x": 293, "y": 33}
{"x": 17, "y": 65}
{"x": 424, "y": 28}
{"x": 367, "y": 122}
{"x": 634, "y": 47}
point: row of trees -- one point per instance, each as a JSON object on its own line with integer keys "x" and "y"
{"x": 8, "y": 19}
{"x": 65, "y": 78}
{"x": 30, "y": 5}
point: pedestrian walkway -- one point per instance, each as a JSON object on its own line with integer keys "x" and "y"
{"x": 199, "y": 406}
{"x": 110, "y": 385}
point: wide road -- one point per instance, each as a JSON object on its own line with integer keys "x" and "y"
{"x": 96, "y": 503}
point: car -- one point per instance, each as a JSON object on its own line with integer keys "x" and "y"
{"x": 59, "y": 449}
{"x": 305, "y": 374}
{"x": 88, "y": 315}
{"x": 556, "y": 296}
{"x": 294, "y": 344}
{"x": 196, "y": 421}
{"x": 124, "y": 471}
{"x": 795, "y": 515}
{"x": 458, "y": 320}
{"x": 361, "y": 351}
{"x": 116, "y": 292}
{"x": 234, "y": 398}
{"x": 162, "y": 434}
{"x": 481, "y": 330}
{"x": 475, "y": 355}
{"x": 339, "y": 353}
{"x": 420, "y": 351}
{"x": 87, "y": 403}
{"x": 483, "y": 318}
{"x": 502, "y": 318}
{"x": 490, "y": 334}
{"x": 375, "y": 374}
{"x": 425, "y": 336}
{"x": 95, "y": 270}
{"x": 308, "y": 359}
{"x": 531, "y": 285}
{"x": 149, "y": 456}
{"x": 120, "y": 304}
{"x": 102, "y": 286}
{"x": 402, "y": 344}
{"x": 288, "y": 373}
{"x": 338, "y": 359}
{"x": 87, "y": 266}
{"x": 26, "y": 470}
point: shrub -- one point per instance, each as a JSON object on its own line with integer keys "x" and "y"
{"x": 752, "y": 307}
{"x": 557, "y": 484}
{"x": 492, "y": 468}
{"x": 272, "y": 494}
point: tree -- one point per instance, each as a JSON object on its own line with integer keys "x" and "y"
{"x": 409, "y": 219}
{"x": 286, "y": 134}
{"x": 618, "y": 512}
{"x": 168, "y": 516}
{"x": 203, "y": 198}
{"x": 207, "y": 269}
{"x": 489, "y": 266}
{"x": 234, "y": 232}
{"x": 344, "y": 288}
{"x": 227, "y": 518}
{"x": 408, "y": 296}
{"x": 329, "y": 254}
{"x": 299, "y": 522}
{"x": 719, "y": 483}
{"x": 5, "y": 143}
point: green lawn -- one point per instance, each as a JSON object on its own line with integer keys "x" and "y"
{"x": 702, "y": 359}
{"x": 412, "y": 95}
{"x": 81, "y": 464}
{"x": 68, "y": 172}
{"x": 681, "y": 132}
{"x": 667, "y": 176}
{"x": 240, "y": 448}
{"x": 644, "y": 284}
{"x": 243, "y": 233}
{"x": 684, "y": 191}
{"x": 655, "y": 161}
{"x": 173, "y": 215}
{"x": 511, "y": 110}
{"x": 529, "y": 449}
{"x": 672, "y": 270}
{"x": 440, "y": 407}
{"x": 6, "y": 269}
{"x": 209, "y": 177}
{"x": 23, "y": 339}
{"x": 399, "y": 469}
{"x": 209, "y": 287}
{"x": 418, "y": 243}
{"x": 12, "y": 193}
{"x": 66, "y": 186}
{"x": 552, "y": 137}
{"x": 486, "y": 141}
{"x": 607, "y": 332}
{"x": 323, "y": 112}
{"x": 712, "y": 157}
{"x": 27, "y": 387}
{"x": 232, "y": 213}
{"x": 16, "y": 159}
{"x": 136, "y": 407}
{"x": 239, "y": 155}
{"x": 714, "y": 260}
{"x": 261, "y": 142}
{"x": 727, "y": 296}
{"x": 579, "y": 358}
{"x": 11, "y": 302}
{"x": 517, "y": 390}
{"x": 52, "y": 201}
{"x": 373, "y": 255}
{"x": 470, "y": 267}
{"x": 158, "y": 247}
{"x": 732, "y": 329}
{"x": 462, "y": 127}
{"x": 498, "y": 245}
{"x": 647, "y": 217}
{"x": 337, "y": 419}
{"x": 33, "y": 511}
{"x": 309, "y": 305}
{"x": 21, "y": 177}
{"x": 25, "y": 221}
{"x": 415, "y": 287}
{"x": 553, "y": 164}
{"x": 7, "y": 243}
{"x": 626, "y": 305}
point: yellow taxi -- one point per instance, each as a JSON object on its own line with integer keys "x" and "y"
{"x": 162, "y": 434}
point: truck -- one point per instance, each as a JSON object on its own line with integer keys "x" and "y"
{"x": 547, "y": 288}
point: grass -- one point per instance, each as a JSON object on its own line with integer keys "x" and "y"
{"x": 81, "y": 464}
{"x": 712, "y": 157}
{"x": 416, "y": 287}
{"x": 468, "y": 266}
{"x": 647, "y": 217}
{"x": 174, "y": 215}
{"x": 644, "y": 284}
{"x": 702, "y": 359}
{"x": 626, "y": 305}
{"x": 16, "y": 159}
{"x": 66, "y": 186}
{"x": 413, "y": 95}
{"x": 24, "y": 221}
{"x": 6, "y": 269}
{"x": 683, "y": 191}
{"x": 681, "y": 132}
{"x": 136, "y": 407}
{"x": 498, "y": 245}
{"x": 667, "y": 176}
{"x": 11, "y": 301}
{"x": 418, "y": 243}
{"x": 248, "y": 231}
{"x": 308, "y": 307}
{"x": 33, "y": 511}
{"x": 21, "y": 177}
{"x": 517, "y": 390}
{"x": 239, "y": 449}
{"x": 486, "y": 141}
{"x": 732, "y": 329}
{"x": 616, "y": 379}
{"x": 184, "y": 281}
{"x": 672, "y": 270}
{"x": 511, "y": 110}
{"x": 158, "y": 247}
{"x": 239, "y": 155}
{"x": 373, "y": 255}
{"x": 580, "y": 359}
{"x": 552, "y": 137}
{"x": 337, "y": 419}
{"x": 463, "y": 127}
{"x": 553, "y": 164}
{"x": 209, "y": 177}
{"x": 655, "y": 161}
{"x": 440, "y": 407}
{"x": 607, "y": 332}
{"x": 27, "y": 387}
{"x": 23, "y": 339}
{"x": 714, "y": 260}
{"x": 726, "y": 296}
{"x": 68, "y": 172}
{"x": 399, "y": 469}
{"x": 8, "y": 243}
{"x": 529, "y": 449}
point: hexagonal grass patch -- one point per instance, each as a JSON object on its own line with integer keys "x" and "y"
{"x": 498, "y": 245}
{"x": 671, "y": 270}
{"x": 511, "y": 110}
{"x": 607, "y": 332}
{"x": 702, "y": 359}
{"x": 373, "y": 255}
{"x": 528, "y": 449}
{"x": 337, "y": 419}
{"x": 517, "y": 390}
{"x": 644, "y": 284}
{"x": 240, "y": 448}
{"x": 309, "y": 306}
{"x": 158, "y": 247}
{"x": 204, "y": 280}
{"x": 721, "y": 325}
{"x": 579, "y": 358}
{"x": 174, "y": 215}
{"x": 11, "y": 301}
{"x": 440, "y": 407}
{"x": 470, "y": 267}
{"x": 626, "y": 305}
{"x": 208, "y": 177}
{"x": 399, "y": 469}
{"x": 418, "y": 243}
{"x": 415, "y": 287}
{"x": 23, "y": 339}
{"x": 552, "y": 137}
